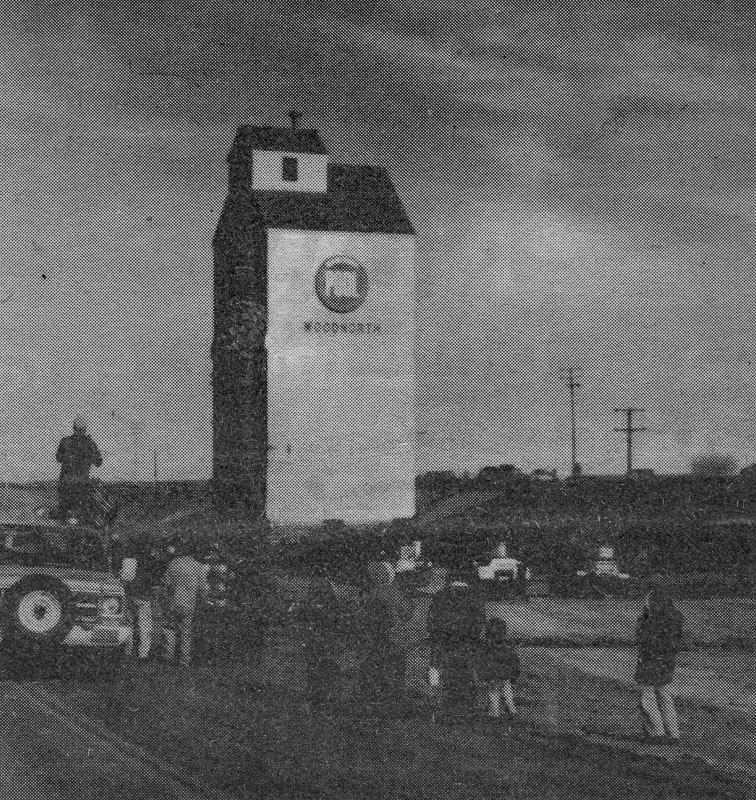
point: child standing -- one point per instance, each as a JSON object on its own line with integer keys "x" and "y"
{"x": 497, "y": 666}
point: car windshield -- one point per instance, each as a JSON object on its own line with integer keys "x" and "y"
{"x": 36, "y": 546}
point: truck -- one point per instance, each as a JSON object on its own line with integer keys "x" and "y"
{"x": 58, "y": 590}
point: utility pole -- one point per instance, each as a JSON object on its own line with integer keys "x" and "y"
{"x": 629, "y": 430}
{"x": 571, "y": 375}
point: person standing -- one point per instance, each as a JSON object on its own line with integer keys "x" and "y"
{"x": 322, "y": 615}
{"x": 659, "y": 635}
{"x": 385, "y": 612}
{"x": 142, "y": 589}
{"x": 186, "y": 582}
{"x": 497, "y": 666}
{"x": 77, "y": 454}
{"x": 456, "y": 619}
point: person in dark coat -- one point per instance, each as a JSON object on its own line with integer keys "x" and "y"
{"x": 77, "y": 454}
{"x": 385, "y": 612}
{"x": 322, "y": 615}
{"x": 659, "y": 635}
{"x": 456, "y": 619}
{"x": 497, "y": 666}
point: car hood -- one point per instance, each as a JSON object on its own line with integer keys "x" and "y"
{"x": 79, "y": 581}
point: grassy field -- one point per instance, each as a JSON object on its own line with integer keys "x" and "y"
{"x": 707, "y": 621}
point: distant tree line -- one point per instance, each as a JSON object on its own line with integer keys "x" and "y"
{"x": 713, "y": 478}
{"x": 442, "y": 483}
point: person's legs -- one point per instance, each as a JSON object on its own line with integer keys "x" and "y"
{"x": 652, "y": 720}
{"x": 157, "y": 609}
{"x": 171, "y": 630}
{"x": 169, "y": 638}
{"x": 494, "y": 700}
{"x": 507, "y": 693}
{"x": 80, "y": 499}
{"x": 185, "y": 630}
{"x": 370, "y": 679}
{"x": 458, "y": 681}
{"x": 435, "y": 683}
{"x": 144, "y": 625}
{"x": 66, "y": 499}
{"x": 393, "y": 672}
{"x": 668, "y": 711}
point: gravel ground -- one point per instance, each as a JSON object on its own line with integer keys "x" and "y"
{"x": 238, "y": 721}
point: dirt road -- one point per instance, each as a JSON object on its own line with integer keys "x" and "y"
{"x": 240, "y": 725}
{"x": 52, "y": 751}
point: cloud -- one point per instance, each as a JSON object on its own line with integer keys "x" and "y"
{"x": 582, "y": 181}
{"x": 576, "y": 70}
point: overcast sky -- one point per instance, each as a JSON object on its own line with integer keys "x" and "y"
{"x": 582, "y": 183}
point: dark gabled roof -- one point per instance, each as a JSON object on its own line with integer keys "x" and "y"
{"x": 287, "y": 140}
{"x": 358, "y": 199}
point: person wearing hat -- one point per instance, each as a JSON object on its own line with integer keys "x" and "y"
{"x": 77, "y": 454}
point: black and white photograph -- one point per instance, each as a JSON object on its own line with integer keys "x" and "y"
{"x": 377, "y": 400}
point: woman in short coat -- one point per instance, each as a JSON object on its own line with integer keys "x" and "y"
{"x": 659, "y": 636}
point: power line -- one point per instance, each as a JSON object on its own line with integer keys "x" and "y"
{"x": 629, "y": 430}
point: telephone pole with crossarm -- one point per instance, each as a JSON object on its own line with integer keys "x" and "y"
{"x": 629, "y": 430}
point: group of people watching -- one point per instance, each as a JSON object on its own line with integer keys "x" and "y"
{"x": 163, "y": 591}
{"x": 470, "y": 654}
{"x": 466, "y": 651}
{"x": 472, "y": 661}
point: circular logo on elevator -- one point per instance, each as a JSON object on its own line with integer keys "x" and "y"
{"x": 341, "y": 284}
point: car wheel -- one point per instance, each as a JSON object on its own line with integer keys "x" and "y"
{"x": 39, "y": 609}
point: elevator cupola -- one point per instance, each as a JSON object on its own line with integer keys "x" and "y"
{"x": 265, "y": 159}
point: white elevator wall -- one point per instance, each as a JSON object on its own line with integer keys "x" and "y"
{"x": 341, "y": 406}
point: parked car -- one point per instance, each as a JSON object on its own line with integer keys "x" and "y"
{"x": 605, "y": 565}
{"x": 57, "y": 591}
{"x": 503, "y": 575}
{"x": 603, "y": 578}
